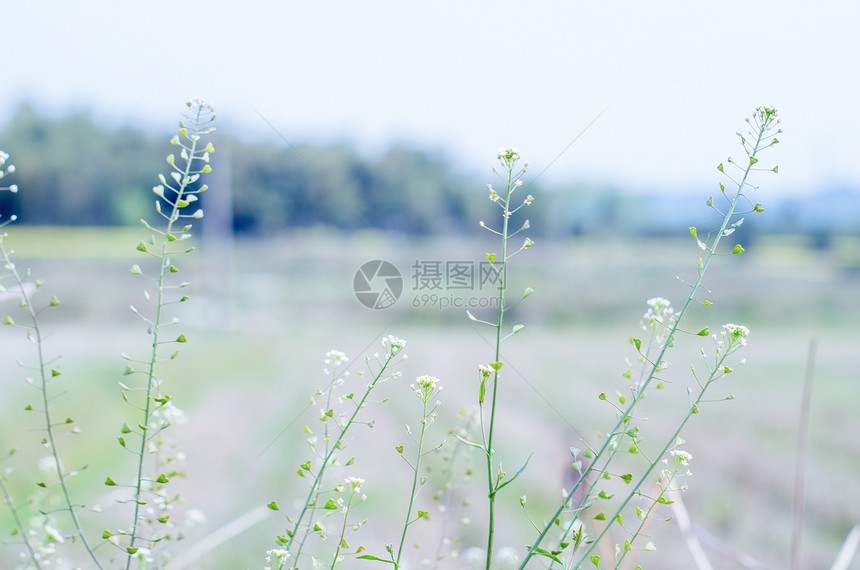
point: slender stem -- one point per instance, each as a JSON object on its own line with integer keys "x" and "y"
{"x": 712, "y": 251}
{"x": 414, "y": 484}
{"x": 327, "y": 459}
{"x": 44, "y": 375}
{"x": 671, "y": 442}
{"x": 506, "y": 214}
{"x": 800, "y": 465}
{"x": 156, "y": 328}
{"x": 18, "y": 523}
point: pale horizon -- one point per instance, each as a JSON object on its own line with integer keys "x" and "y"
{"x": 673, "y": 83}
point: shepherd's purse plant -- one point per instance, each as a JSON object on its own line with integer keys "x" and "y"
{"x": 618, "y": 481}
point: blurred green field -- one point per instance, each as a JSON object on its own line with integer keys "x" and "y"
{"x": 263, "y": 313}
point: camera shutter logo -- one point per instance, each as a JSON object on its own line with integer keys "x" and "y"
{"x": 377, "y": 284}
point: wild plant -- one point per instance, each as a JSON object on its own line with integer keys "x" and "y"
{"x": 620, "y": 480}
{"x": 595, "y": 465}
{"x": 325, "y": 447}
{"x": 148, "y": 441}
{"x": 145, "y": 437}
{"x": 42, "y": 538}
{"x": 511, "y": 173}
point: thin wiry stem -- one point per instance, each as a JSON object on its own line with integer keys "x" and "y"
{"x": 44, "y": 376}
{"x": 765, "y": 121}
{"x": 186, "y": 177}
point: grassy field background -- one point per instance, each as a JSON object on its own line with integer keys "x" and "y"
{"x": 264, "y": 312}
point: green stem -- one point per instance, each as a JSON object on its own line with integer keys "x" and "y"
{"x": 18, "y": 524}
{"x": 49, "y": 425}
{"x": 506, "y": 214}
{"x": 414, "y": 484}
{"x": 156, "y": 328}
{"x": 716, "y": 373}
{"x": 693, "y": 289}
{"x": 327, "y": 459}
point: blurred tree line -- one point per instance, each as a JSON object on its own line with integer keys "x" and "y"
{"x": 72, "y": 171}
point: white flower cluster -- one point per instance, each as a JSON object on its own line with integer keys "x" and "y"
{"x": 4, "y": 170}
{"x": 426, "y": 388}
{"x": 659, "y": 312}
{"x": 278, "y": 557}
{"x": 351, "y": 486}
{"x": 393, "y": 346}
{"x": 681, "y": 456}
{"x": 731, "y": 338}
{"x": 334, "y": 361}
{"x": 168, "y": 414}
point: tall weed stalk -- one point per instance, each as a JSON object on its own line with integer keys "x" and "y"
{"x": 604, "y": 485}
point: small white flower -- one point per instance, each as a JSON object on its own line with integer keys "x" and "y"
{"x": 54, "y": 534}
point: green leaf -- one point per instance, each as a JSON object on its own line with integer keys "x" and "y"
{"x": 376, "y": 558}
{"x": 637, "y": 343}
{"x": 517, "y": 474}
{"x": 550, "y": 555}
{"x": 470, "y": 443}
{"x": 738, "y": 249}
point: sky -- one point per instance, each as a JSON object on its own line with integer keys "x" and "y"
{"x": 655, "y": 91}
